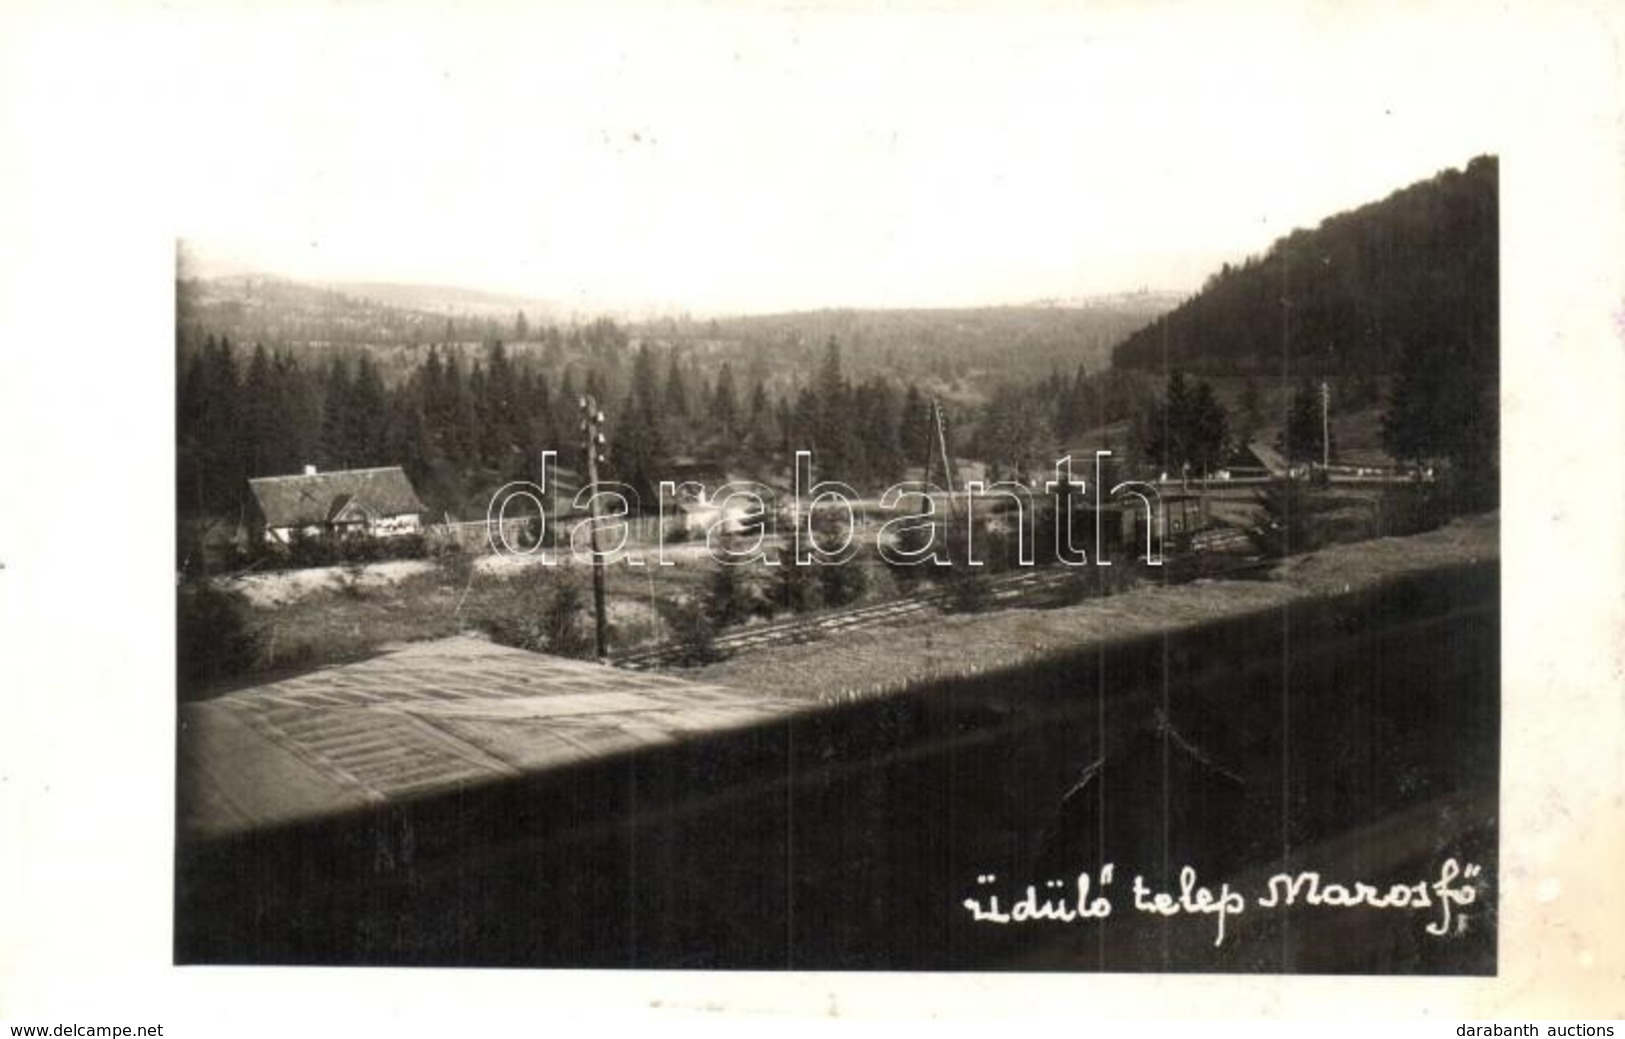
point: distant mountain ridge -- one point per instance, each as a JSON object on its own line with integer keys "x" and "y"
{"x": 411, "y": 296}
{"x": 273, "y": 295}
{"x": 1163, "y": 298}
{"x": 277, "y": 311}
{"x": 1014, "y": 342}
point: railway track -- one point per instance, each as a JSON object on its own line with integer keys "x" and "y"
{"x": 1003, "y": 589}
{"x": 811, "y": 628}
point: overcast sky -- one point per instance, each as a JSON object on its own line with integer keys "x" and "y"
{"x": 725, "y": 158}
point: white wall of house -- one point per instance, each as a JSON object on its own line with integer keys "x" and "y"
{"x": 390, "y": 526}
{"x": 285, "y": 535}
{"x": 384, "y": 527}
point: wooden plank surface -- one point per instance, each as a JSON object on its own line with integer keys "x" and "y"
{"x": 426, "y": 718}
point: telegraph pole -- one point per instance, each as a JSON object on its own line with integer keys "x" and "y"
{"x": 1325, "y": 427}
{"x": 939, "y": 426}
{"x": 591, "y": 421}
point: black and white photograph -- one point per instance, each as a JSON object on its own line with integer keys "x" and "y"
{"x": 897, "y": 492}
{"x": 1095, "y": 617}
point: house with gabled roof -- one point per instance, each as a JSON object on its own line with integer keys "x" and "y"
{"x": 378, "y": 502}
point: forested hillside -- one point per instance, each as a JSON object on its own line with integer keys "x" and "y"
{"x": 939, "y": 345}
{"x": 1415, "y": 271}
{"x": 464, "y": 421}
{"x": 273, "y": 375}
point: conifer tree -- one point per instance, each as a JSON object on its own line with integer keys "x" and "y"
{"x": 675, "y": 402}
{"x": 335, "y": 445}
{"x": 724, "y": 406}
{"x": 830, "y": 421}
{"x": 260, "y": 420}
{"x": 914, "y": 433}
{"x": 367, "y": 415}
{"x": 761, "y": 418}
{"x": 499, "y": 422}
{"x": 1304, "y": 430}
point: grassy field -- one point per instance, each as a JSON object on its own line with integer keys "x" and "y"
{"x": 298, "y": 620}
{"x": 935, "y": 646}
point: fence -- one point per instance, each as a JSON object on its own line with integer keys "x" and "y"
{"x": 522, "y": 534}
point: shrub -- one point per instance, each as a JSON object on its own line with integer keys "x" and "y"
{"x": 841, "y": 584}
{"x": 968, "y": 591}
{"x": 311, "y": 550}
{"x": 1121, "y": 577}
{"x": 1409, "y": 510}
{"x": 272, "y": 555}
{"x": 793, "y": 587}
{"x": 693, "y": 634}
{"x": 537, "y": 532}
{"x": 1470, "y": 483}
{"x": 305, "y": 550}
{"x": 827, "y": 528}
{"x": 564, "y": 619}
{"x": 544, "y": 613}
{"x": 727, "y": 598}
{"x": 351, "y": 583}
{"x": 512, "y": 613}
{"x": 763, "y": 605}
{"x": 914, "y": 538}
{"x": 999, "y": 548}
{"x": 1289, "y": 525}
{"x": 674, "y": 532}
{"x": 456, "y": 566}
{"x": 214, "y": 640}
{"x": 356, "y": 549}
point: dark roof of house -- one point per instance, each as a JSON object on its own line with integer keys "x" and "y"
{"x": 312, "y": 500}
{"x": 700, "y": 470}
{"x": 1272, "y": 459}
{"x": 335, "y": 511}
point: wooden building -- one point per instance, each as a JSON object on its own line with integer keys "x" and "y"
{"x": 377, "y": 502}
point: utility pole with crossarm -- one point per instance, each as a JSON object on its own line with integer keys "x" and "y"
{"x": 591, "y": 427}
